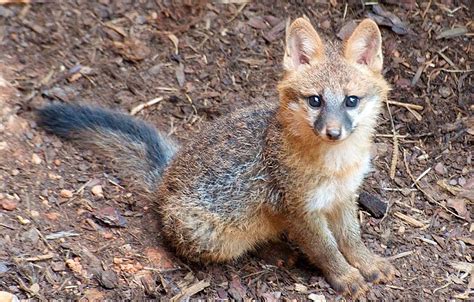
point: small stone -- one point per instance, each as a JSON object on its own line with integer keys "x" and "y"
{"x": 326, "y": 24}
{"x": 54, "y": 176}
{"x": 34, "y": 213}
{"x": 8, "y": 204}
{"x": 97, "y": 191}
{"x": 300, "y": 288}
{"x": 108, "y": 235}
{"x": 3, "y": 267}
{"x": 15, "y": 172}
{"x": 57, "y": 162}
{"x": 401, "y": 230}
{"x": 35, "y": 159}
{"x": 31, "y": 235}
{"x": 440, "y": 169}
{"x": 3, "y": 145}
{"x": 35, "y": 288}
{"x": 108, "y": 279}
{"x": 65, "y": 193}
{"x": 52, "y": 216}
{"x": 58, "y": 266}
{"x": 155, "y": 70}
{"x": 444, "y": 91}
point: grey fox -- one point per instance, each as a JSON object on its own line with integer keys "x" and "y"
{"x": 291, "y": 167}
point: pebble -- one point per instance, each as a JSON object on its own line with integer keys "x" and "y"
{"x": 3, "y": 267}
{"x": 65, "y": 193}
{"x": 52, "y": 215}
{"x": 97, "y": 191}
{"x": 35, "y": 159}
{"x": 440, "y": 169}
{"x": 8, "y": 204}
{"x": 108, "y": 279}
{"x": 444, "y": 91}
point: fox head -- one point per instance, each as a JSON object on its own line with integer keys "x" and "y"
{"x": 331, "y": 92}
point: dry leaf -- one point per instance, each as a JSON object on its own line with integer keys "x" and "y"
{"x": 132, "y": 49}
{"x": 459, "y": 205}
{"x": 276, "y": 32}
{"x": 257, "y": 23}
{"x": 346, "y": 30}
{"x": 385, "y": 18}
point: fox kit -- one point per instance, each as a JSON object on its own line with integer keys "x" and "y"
{"x": 292, "y": 167}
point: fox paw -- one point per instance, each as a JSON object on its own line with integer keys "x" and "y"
{"x": 351, "y": 283}
{"x": 379, "y": 271}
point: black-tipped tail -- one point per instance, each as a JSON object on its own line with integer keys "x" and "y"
{"x": 135, "y": 147}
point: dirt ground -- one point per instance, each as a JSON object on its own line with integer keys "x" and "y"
{"x": 72, "y": 229}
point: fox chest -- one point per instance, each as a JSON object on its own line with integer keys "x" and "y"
{"x": 328, "y": 191}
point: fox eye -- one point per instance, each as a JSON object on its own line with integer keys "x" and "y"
{"x": 352, "y": 101}
{"x": 315, "y": 101}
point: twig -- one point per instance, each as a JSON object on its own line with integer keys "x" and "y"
{"x": 187, "y": 292}
{"x": 35, "y": 258}
{"x": 394, "y": 287}
{"x": 7, "y": 226}
{"x": 429, "y": 241}
{"x": 241, "y": 7}
{"x": 408, "y": 219}
{"x": 421, "y": 175}
{"x": 389, "y": 135}
{"x": 406, "y": 105}
{"x": 393, "y": 165}
{"x": 456, "y": 70}
{"x": 401, "y": 255}
{"x": 399, "y": 189}
{"x": 423, "y": 14}
{"x": 345, "y": 12}
{"x": 142, "y": 106}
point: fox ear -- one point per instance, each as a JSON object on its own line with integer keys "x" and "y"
{"x": 303, "y": 45}
{"x": 364, "y": 46}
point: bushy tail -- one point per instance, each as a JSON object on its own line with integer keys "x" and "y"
{"x": 135, "y": 147}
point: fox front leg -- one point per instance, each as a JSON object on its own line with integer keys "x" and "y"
{"x": 346, "y": 229}
{"x": 312, "y": 234}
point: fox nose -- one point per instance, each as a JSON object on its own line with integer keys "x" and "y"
{"x": 333, "y": 133}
